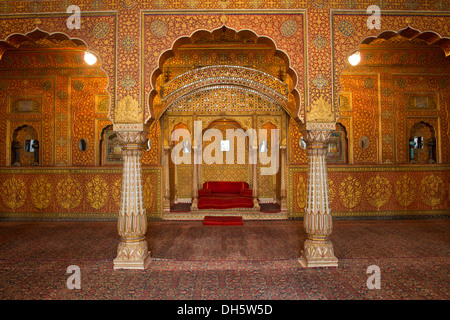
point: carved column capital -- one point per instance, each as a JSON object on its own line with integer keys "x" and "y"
{"x": 134, "y": 139}
{"x": 317, "y": 134}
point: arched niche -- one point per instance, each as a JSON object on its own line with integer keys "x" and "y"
{"x": 25, "y": 146}
{"x": 341, "y": 63}
{"x": 47, "y": 37}
{"x": 402, "y": 77}
{"x": 109, "y": 147}
{"x": 422, "y": 144}
{"x": 337, "y": 152}
{"x": 40, "y": 69}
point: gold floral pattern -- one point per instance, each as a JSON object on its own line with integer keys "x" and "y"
{"x": 405, "y": 190}
{"x": 68, "y": 193}
{"x": 378, "y": 191}
{"x": 41, "y": 192}
{"x": 350, "y": 192}
{"x": 116, "y": 191}
{"x": 432, "y": 190}
{"x": 300, "y": 195}
{"x": 97, "y": 192}
{"x": 14, "y": 193}
{"x": 148, "y": 194}
{"x": 331, "y": 190}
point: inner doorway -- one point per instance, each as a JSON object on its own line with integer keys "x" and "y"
{"x": 225, "y": 80}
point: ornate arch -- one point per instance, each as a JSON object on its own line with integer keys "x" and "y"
{"x": 269, "y": 87}
{"x": 41, "y": 39}
{"x": 429, "y": 37}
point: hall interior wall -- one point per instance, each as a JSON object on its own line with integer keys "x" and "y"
{"x": 114, "y": 31}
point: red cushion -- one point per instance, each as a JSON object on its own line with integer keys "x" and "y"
{"x": 225, "y": 186}
{"x": 213, "y": 202}
{"x": 246, "y": 192}
{"x": 204, "y": 192}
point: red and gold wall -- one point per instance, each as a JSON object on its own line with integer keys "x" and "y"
{"x": 131, "y": 38}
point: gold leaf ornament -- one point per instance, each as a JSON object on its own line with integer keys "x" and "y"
{"x": 301, "y": 193}
{"x": 128, "y": 111}
{"x": 405, "y": 190}
{"x": 41, "y": 192}
{"x": 350, "y": 191}
{"x": 148, "y": 194}
{"x": 331, "y": 190}
{"x": 14, "y": 193}
{"x": 97, "y": 192}
{"x": 378, "y": 191}
{"x": 68, "y": 193}
{"x": 116, "y": 191}
{"x": 432, "y": 190}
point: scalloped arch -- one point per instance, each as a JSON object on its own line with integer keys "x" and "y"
{"x": 16, "y": 40}
{"x": 429, "y": 37}
{"x": 292, "y": 105}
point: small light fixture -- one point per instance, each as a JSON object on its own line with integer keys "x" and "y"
{"x": 355, "y": 58}
{"x": 90, "y": 58}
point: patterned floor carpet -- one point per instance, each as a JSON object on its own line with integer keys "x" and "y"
{"x": 255, "y": 261}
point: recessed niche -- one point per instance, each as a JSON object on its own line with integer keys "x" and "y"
{"x": 83, "y": 145}
{"x": 364, "y": 142}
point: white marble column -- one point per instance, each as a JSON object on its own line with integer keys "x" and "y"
{"x": 166, "y": 202}
{"x": 255, "y": 178}
{"x": 195, "y": 179}
{"x": 318, "y": 250}
{"x": 132, "y": 252}
{"x": 283, "y": 191}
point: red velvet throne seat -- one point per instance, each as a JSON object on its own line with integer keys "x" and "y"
{"x": 225, "y": 195}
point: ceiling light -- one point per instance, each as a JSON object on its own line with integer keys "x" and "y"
{"x": 90, "y": 58}
{"x": 355, "y": 58}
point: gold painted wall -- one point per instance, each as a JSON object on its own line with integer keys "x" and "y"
{"x": 131, "y": 37}
{"x": 378, "y": 191}
{"x": 71, "y": 193}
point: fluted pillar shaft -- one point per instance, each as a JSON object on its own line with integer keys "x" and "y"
{"x": 255, "y": 178}
{"x": 318, "y": 250}
{"x": 166, "y": 202}
{"x": 132, "y": 252}
{"x": 283, "y": 191}
{"x": 195, "y": 179}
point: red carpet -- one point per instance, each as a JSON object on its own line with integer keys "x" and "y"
{"x": 222, "y": 220}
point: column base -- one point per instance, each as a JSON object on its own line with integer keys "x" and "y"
{"x": 283, "y": 205}
{"x": 194, "y": 204}
{"x": 166, "y": 205}
{"x": 318, "y": 253}
{"x": 256, "y": 204}
{"x": 132, "y": 255}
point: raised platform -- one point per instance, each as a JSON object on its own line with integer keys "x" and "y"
{"x": 268, "y": 211}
